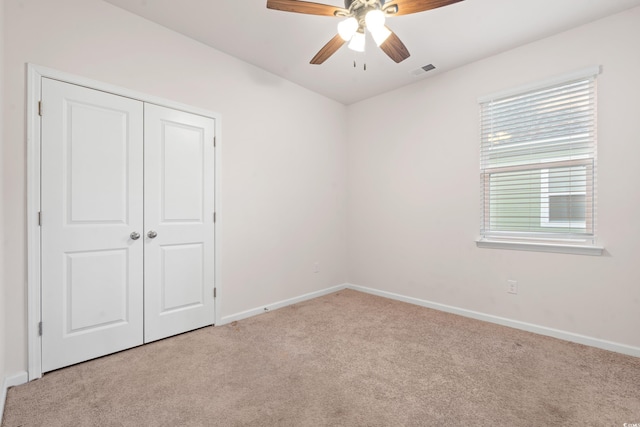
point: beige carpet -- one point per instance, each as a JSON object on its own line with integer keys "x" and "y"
{"x": 346, "y": 359}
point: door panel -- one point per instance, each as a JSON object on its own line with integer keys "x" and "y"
{"x": 90, "y": 304}
{"x": 179, "y": 206}
{"x": 97, "y": 165}
{"x": 91, "y": 200}
{"x": 182, "y": 279}
{"x": 182, "y": 170}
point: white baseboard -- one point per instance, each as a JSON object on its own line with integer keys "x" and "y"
{"x": 516, "y": 324}
{"x": 11, "y": 381}
{"x": 276, "y": 305}
{"x": 22, "y": 377}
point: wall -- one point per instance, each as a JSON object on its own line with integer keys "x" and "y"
{"x": 414, "y": 203}
{"x": 283, "y": 202}
{"x": 2, "y": 280}
{"x": 283, "y": 149}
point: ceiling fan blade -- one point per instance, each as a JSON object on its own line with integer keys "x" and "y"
{"x": 394, "y": 48}
{"x": 304, "y": 7}
{"x": 406, "y": 7}
{"x": 328, "y": 50}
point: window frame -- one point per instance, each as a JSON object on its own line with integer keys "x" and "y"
{"x": 539, "y": 240}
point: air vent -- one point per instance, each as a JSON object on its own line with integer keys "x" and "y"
{"x": 422, "y": 70}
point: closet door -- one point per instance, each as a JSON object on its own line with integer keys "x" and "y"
{"x": 92, "y": 206}
{"x": 179, "y": 229}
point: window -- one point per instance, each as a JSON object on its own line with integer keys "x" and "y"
{"x": 538, "y": 164}
{"x": 563, "y": 205}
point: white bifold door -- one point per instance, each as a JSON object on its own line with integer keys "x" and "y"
{"x": 127, "y": 228}
{"x": 178, "y": 211}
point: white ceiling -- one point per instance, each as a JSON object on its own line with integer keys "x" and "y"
{"x": 284, "y": 43}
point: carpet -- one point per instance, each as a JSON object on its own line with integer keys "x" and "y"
{"x": 345, "y": 359}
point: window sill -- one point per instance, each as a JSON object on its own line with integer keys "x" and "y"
{"x": 541, "y": 247}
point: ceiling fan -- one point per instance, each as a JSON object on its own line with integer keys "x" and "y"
{"x": 361, "y": 16}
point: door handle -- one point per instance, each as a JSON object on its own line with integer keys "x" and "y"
{"x": 152, "y": 234}
{"x": 135, "y": 235}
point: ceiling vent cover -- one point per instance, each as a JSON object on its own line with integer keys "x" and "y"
{"x": 422, "y": 70}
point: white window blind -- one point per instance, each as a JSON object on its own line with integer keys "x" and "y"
{"x": 538, "y": 164}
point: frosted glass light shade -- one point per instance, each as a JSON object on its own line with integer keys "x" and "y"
{"x": 374, "y": 20}
{"x": 347, "y": 28}
{"x": 357, "y": 42}
{"x": 380, "y": 35}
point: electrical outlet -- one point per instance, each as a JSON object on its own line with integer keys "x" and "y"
{"x": 512, "y": 287}
{"x": 316, "y": 267}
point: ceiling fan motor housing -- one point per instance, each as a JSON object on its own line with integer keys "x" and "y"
{"x": 357, "y": 4}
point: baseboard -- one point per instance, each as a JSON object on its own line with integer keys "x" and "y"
{"x": 10, "y": 381}
{"x": 276, "y": 305}
{"x": 529, "y": 327}
{"x": 516, "y": 324}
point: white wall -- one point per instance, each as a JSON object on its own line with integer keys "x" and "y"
{"x": 414, "y": 203}
{"x": 2, "y": 279}
{"x": 285, "y": 163}
{"x": 283, "y": 149}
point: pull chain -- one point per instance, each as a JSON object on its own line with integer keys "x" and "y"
{"x": 364, "y": 67}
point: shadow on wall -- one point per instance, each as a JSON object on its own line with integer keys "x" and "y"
{"x": 262, "y": 77}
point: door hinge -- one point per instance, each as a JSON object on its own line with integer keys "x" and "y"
{"x": 39, "y": 219}
{"x": 214, "y": 217}
{"x": 215, "y": 292}
{"x": 40, "y": 108}
{"x": 214, "y": 142}
{"x": 40, "y": 329}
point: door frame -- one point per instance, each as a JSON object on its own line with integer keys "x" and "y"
{"x": 35, "y": 73}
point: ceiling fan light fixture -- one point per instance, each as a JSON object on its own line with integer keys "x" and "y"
{"x": 380, "y": 35}
{"x": 357, "y": 42}
{"x": 348, "y": 28}
{"x": 374, "y": 20}
{"x": 361, "y": 16}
